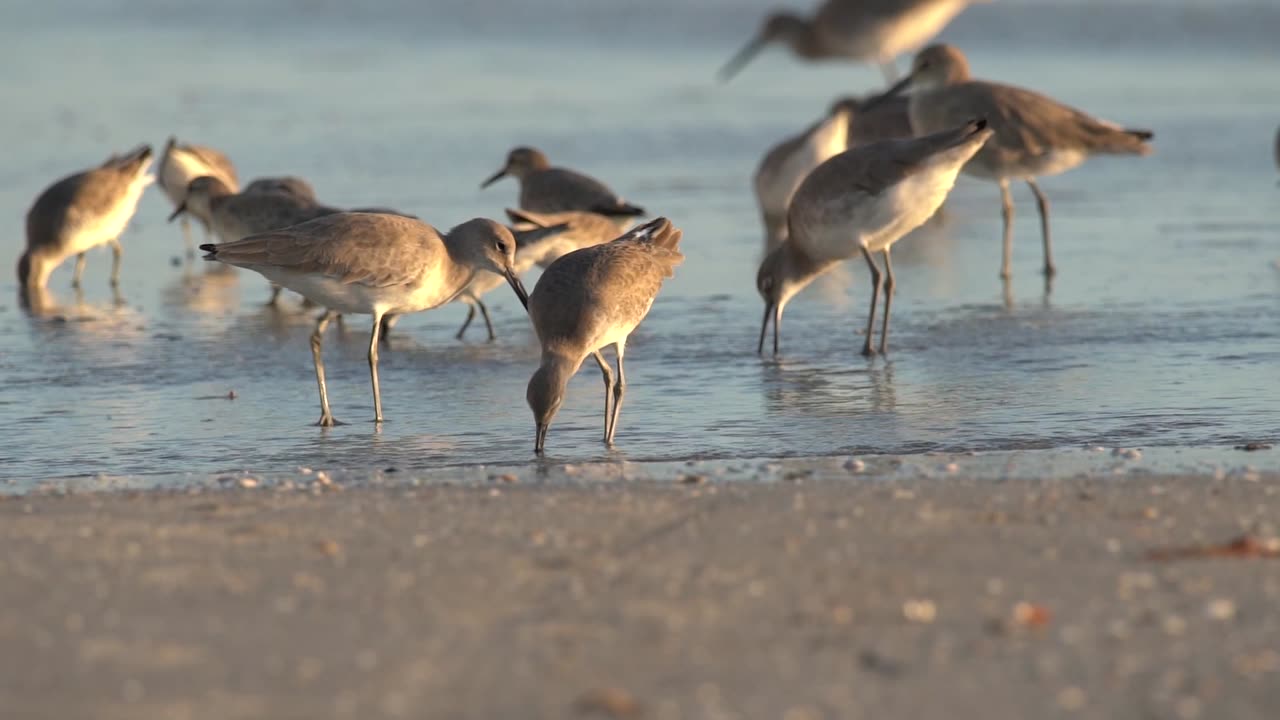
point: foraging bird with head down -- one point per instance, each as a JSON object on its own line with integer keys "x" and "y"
{"x": 80, "y": 212}
{"x": 590, "y": 299}
{"x": 862, "y": 201}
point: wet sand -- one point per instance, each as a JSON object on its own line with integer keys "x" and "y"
{"x": 826, "y": 595}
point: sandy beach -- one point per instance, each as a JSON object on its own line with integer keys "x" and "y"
{"x": 824, "y": 595}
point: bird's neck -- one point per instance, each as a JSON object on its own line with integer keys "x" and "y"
{"x": 558, "y": 366}
{"x": 799, "y": 269}
{"x": 34, "y": 269}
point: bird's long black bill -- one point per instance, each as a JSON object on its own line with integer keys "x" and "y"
{"x": 540, "y": 439}
{"x": 739, "y": 61}
{"x": 181, "y": 209}
{"x": 494, "y": 178}
{"x": 764, "y": 327}
{"x": 514, "y": 281}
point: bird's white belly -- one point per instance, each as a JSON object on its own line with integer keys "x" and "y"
{"x": 358, "y": 298}
{"x": 851, "y": 221}
{"x": 92, "y": 231}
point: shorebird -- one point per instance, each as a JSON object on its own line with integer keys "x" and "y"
{"x": 859, "y": 30}
{"x": 82, "y": 211}
{"x": 541, "y": 238}
{"x": 549, "y": 189}
{"x": 786, "y": 164}
{"x": 373, "y": 264}
{"x": 1035, "y": 135}
{"x": 529, "y": 250}
{"x": 862, "y": 201}
{"x": 587, "y": 300}
{"x": 180, "y": 163}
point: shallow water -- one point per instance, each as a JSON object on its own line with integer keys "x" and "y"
{"x": 1161, "y": 329}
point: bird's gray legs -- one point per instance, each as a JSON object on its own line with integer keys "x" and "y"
{"x": 78, "y": 272}
{"x": 275, "y": 296}
{"x": 474, "y": 304}
{"x": 488, "y": 324}
{"x": 1006, "y": 206}
{"x": 619, "y": 389}
{"x": 471, "y": 314}
{"x": 888, "y": 302}
{"x": 608, "y": 390}
{"x": 373, "y": 367}
{"x": 1042, "y": 203}
{"x": 877, "y": 283}
{"x": 117, "y": 252}
{"x": 326, "y": 417}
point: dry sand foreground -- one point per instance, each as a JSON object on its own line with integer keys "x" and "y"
{"x": 825, "y": 598}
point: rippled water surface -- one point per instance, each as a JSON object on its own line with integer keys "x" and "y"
{"x": 1161, "y": 329}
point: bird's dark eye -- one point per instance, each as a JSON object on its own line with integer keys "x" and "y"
{"x": 500, "y": 246}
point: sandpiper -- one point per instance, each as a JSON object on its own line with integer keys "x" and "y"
{"x": 859, "y": 30}
{"x": 548, "y": 189}
{"x": 862, "y": 201}
{"x": 373, "y": 264}
{"x": 180, "y": 163}
{"x": 541, "y": 238}
{"x": 529, "y": 250}
{"x": 587, "y": 300}
{"x": 80, "y": 212}
{"x": 1034, "y": 135}
{"x": 786, "y": 165}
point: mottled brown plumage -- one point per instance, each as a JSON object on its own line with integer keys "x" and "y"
{"x": 592, "y": 298}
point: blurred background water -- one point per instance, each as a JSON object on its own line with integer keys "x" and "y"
{"x": 1162, "y": 328}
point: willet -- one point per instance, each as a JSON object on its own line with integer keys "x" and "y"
{"x": 529, "y": 250}
{"x": 587, "y": 300}
{"x": 180, "y": 163}
{"x": 80, "y": 212}
{"x": 549, "y": 189}
{"x": 786, "y": 164}
{"x": 541, "y": 238}
{"x": 862, "y": 201}
{"x": 859, "y": 30}
{"x": 373, "y": 264}
{"x": 1034, "y": 135}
